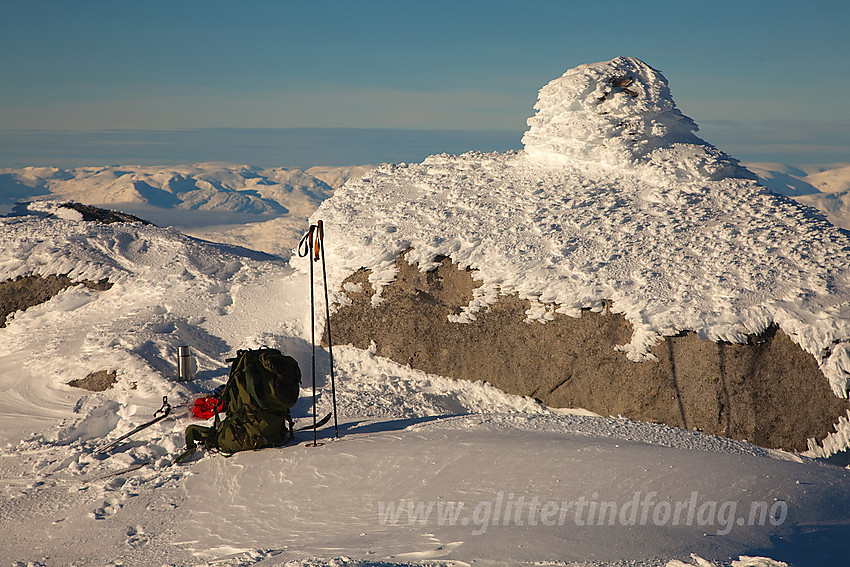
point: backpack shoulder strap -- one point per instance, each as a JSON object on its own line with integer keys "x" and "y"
{"x": 196, "y": 434}
{"x": 251, "y": 381}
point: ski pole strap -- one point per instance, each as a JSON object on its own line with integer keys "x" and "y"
{"x": 305, "y": 247}
{"x": 163, "y": 413}
{"x": 312, "y": 242}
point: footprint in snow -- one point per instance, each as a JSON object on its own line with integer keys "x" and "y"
{"x": 441, "y": 551}
{"x": 136, "y": 537}
{"x": 110, "y": 508}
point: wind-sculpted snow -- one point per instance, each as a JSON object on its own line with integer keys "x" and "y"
{"x": 671, "y": 230}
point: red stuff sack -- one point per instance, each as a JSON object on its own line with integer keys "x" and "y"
{"x": 204, "y": 408}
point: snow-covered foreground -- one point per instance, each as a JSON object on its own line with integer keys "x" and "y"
{"x": 504, "y": 480}
{"x": 514, "y": 488}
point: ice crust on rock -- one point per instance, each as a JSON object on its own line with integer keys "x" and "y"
{"x": 614, "y": 198}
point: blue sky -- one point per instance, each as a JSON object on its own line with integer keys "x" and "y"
{"x": 766, "y": 80}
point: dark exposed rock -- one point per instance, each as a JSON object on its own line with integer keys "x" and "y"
{"x": 88, "y": 212}
{"x": 103, "y": 216}
{"x": 26, "y": 291}
{"x": 96, "y": 381}
{"x": 768, "y": 391}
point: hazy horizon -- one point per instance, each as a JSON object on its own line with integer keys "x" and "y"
{"x": 789, "y": 142}
{"x": 264, "y": 147}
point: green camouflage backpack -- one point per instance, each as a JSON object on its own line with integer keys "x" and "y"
{"x": 263, "y": 385}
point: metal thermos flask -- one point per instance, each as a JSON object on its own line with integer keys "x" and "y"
{"x": 184, "y": 364}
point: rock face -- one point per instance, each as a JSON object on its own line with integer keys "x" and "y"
{"x": 742, "y": 391}
{"x": 26, "y": 291}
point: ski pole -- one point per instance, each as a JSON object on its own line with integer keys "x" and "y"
{"x": 321, "y": 241}
{"x": 159, "y": 415}
{"x": 305, "y": 248}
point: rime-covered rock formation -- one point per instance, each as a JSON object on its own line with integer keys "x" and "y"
{"x": 614, "y": 206}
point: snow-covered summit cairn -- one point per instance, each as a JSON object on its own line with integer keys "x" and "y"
{"x": 720, "y": 301}
{"x": 621, "y": 113}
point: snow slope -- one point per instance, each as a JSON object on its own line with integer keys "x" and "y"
{"x": 582, "y": 489}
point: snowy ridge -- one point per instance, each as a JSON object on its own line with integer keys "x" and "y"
{"x": 85, "y": 250}
{"x": 677, "y": 235}
{"x": 801, "y": 180}
{"x": 168, "y": 289}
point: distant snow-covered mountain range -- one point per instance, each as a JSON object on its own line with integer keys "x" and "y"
{"x": 217, "y": 201}
{"x": 266, "y": 208}
{"x": 825, "y": 187}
